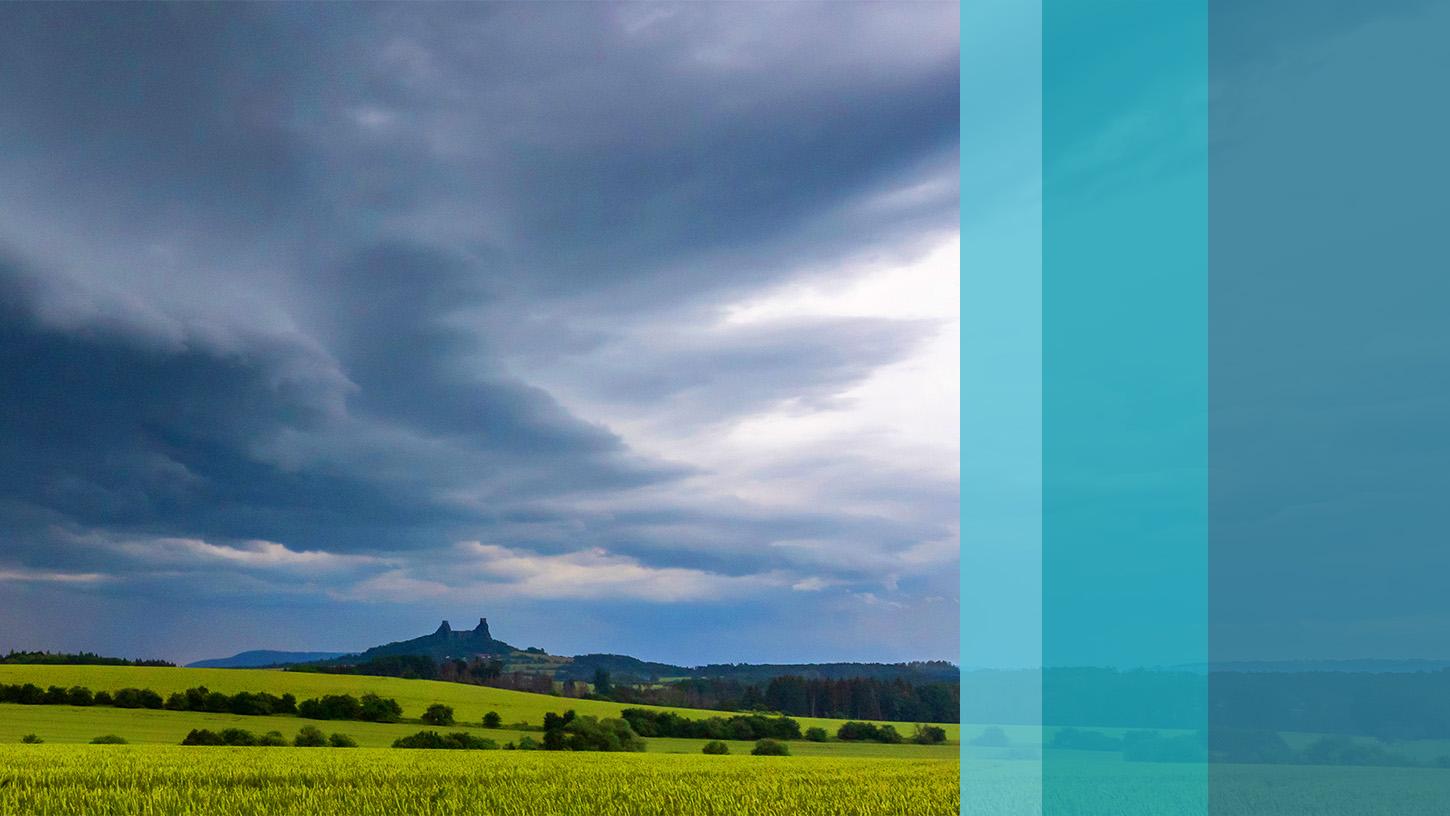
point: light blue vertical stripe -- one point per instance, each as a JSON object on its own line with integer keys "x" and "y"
{"x": 1124, "y": 377}
{"x": 1001, "y": 125}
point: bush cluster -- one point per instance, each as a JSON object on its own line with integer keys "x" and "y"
{"x": 308, "y": 737}
{"x": 458, "y": 740}
{"x": 571, "y": 732}
{"x": 370, "y": 708}
{"x": 648, "y": 723}
{"x": 715, "y": 747}
{"x": 246, "y": 703}
{"x": 935, "y": 735}
{"x": 770, "y": 747}
{"x": 31, "y": 694}
{"x": 868, "y": 732}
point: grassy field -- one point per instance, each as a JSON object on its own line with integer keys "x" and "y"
{"x": 98, "y": 780}
{"x": 1088, "y": 783}
{"x": 71, "y": 724}
{"x": 469, "y": 703}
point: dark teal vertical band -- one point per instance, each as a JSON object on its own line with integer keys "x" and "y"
{"x": 1124, "y": 391}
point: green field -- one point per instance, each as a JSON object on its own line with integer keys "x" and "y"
{"x": 154, "y": 775}
{"x": 469, "y": 703}
{"x": 1088, "y": 783}
{"x": 98, "y": 780}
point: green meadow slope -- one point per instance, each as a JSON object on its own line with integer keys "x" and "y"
{"x": 470, "y": 703}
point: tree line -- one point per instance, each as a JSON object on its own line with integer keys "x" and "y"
{"x": 1237, "y": 746}
{"x": 368, "y": 708}
{"x": 853, "y": 698}
{"x": 649, "y": 723}
{"x": 476, "y": 670}
{"x": 77, "y": 659}
{"x": 310, "y": 736}
{"x": 1400, "y": 705}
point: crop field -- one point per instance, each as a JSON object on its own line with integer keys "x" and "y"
{"x": 155, "y": 775}
{"x": 102, "y": 780}
{"x": 469, "y": 703}
{"x": 1089, "y": 783}
{"x": 61, "y": 724}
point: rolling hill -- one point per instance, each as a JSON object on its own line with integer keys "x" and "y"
{"x": 469, "y": 702}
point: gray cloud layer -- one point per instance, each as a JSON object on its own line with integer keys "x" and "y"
{"x": 279, "y": 286}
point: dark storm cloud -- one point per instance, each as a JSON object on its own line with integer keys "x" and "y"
{"x": 278, "y": 276}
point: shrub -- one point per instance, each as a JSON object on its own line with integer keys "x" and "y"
{"x": 55, "y": 695}
{"x": 1078, "y": 739}
{"x": 341, "y": 741}
{"x": 103, "y": 698}
{"x": 1180, "y": 748}
{"x": 492, "y": 720}
{"x": 770, "y": 747}
{"x": 330, "y": 707}
{"x": 247, "y": 704}
{"x": 648, "y": 723}
{"x": 991, "y": 737}
{"x": 31, "y": 739}
{"x": 272, "y": 739}
{"x": 202, "y": 736}
{"x": 715, "y": 747}
{"x": 28, "y": 694}
{"x": 1244, "y": 747}
{"x": 529, "y": 744}
{"x": 137, "y": 698}
{"x": 857, "y": 731}
{"x": 108, "y": 739}
{"x": 80, "y": 696}
{"x": 931, "y": 735}
{"x": 457, "y": 740}
{"x": 310, "y": 736}
{"x": 816, "y": 734}
{"x": 373, "y": 708}
{"x": 438, "y": 714}
{"x": 238, "y": 736}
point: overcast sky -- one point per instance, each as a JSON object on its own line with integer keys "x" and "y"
{"x": 631, "y": 327}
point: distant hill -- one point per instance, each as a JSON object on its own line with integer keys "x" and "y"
{"x": 444, "y": 643}
{"x": 447, "y": 644}
{"x": 260, "y": 658}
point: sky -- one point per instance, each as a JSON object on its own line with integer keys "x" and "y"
{"x": 633, "y": 328}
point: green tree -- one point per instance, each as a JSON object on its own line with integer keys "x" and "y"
{"x": 492, "y": 720}
{"x": 602, "y": 685}
{"x": 715, "y": 747}
{"x": 379, "y": 709}
{"x": 929, "y": 734}
{"x": 438, "y": 714}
